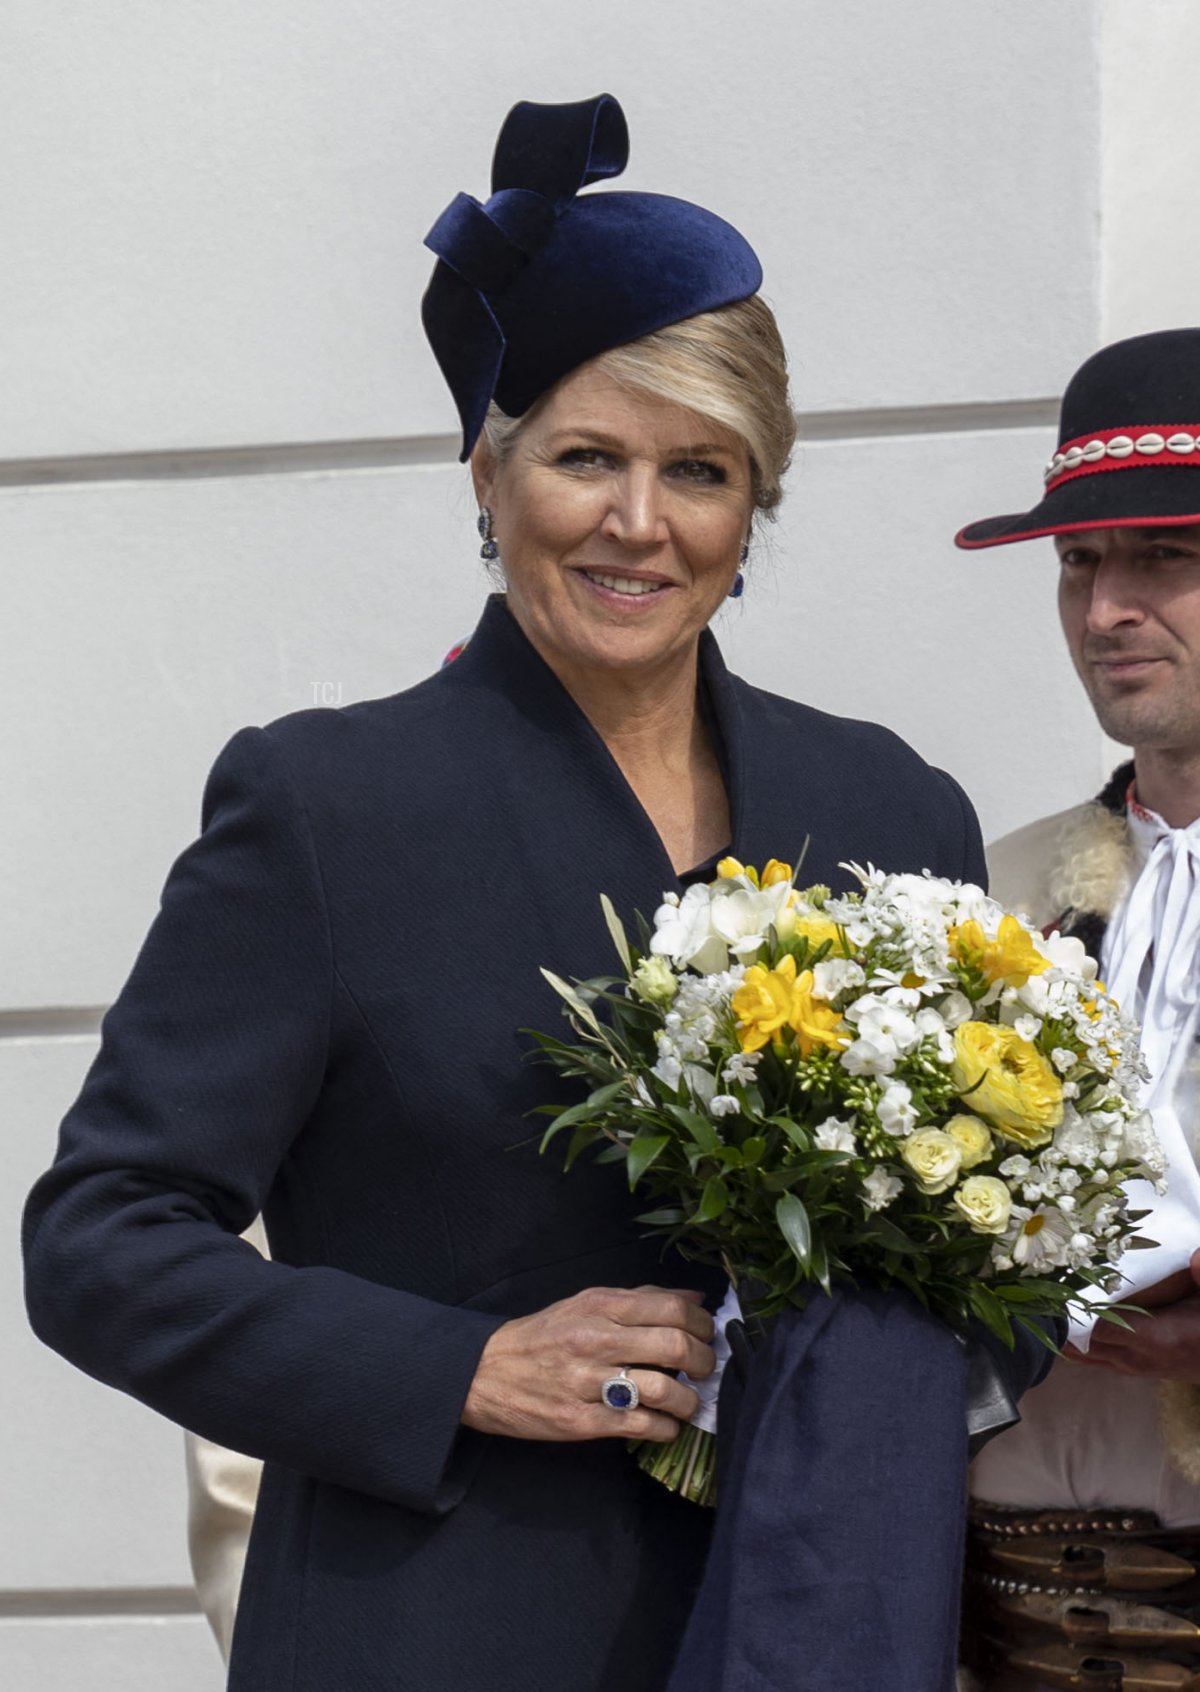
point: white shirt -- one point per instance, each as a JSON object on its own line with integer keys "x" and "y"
{"x": 1088, "y": 1437}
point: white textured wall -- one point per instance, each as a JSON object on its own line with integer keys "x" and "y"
{"x": 228, "y": 488}
{"x": 1150, "y": 248}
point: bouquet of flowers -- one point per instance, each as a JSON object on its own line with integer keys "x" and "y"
{"x": 905, "y": 1086}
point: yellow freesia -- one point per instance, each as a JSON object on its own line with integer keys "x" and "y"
{"x": 1011, "y": 957}
{"x": 770, "y": 1000}
{"x": 1008, "y": 1081}
{"x": 775, "y": 871}
{"x": 812, "y": 1021}
{"x": 763, "y": 1002}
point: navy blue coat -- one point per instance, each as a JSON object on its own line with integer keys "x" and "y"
{"x": 324, "y": 1024}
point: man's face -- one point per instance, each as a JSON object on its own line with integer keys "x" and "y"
{"x": 1129, "y": 600}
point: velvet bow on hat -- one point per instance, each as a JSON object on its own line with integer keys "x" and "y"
{"x": 540, "y": 279}
{"x": 1128, "y": 440}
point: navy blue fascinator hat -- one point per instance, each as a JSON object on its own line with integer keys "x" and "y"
{"x": 541, "y": 278}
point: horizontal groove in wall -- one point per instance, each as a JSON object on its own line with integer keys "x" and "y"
{"x": 51, "y": 1022}
{"x": 316, "y": 457}
{"x": 927, "y": 420}
{"x": 290, "y": 458}
{"x": 99, "y": 1601}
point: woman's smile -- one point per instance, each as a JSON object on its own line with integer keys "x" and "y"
{"x": 617, "y": 590}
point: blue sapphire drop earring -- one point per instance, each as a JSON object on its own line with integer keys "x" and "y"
{"x": 739, "y": 581}
{"x": 489, "y": 549}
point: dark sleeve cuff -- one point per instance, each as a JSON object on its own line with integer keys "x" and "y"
{"x": 997, "y": 1378}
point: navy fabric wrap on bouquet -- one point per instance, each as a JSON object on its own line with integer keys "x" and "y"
{"x": 837, "y": 1557}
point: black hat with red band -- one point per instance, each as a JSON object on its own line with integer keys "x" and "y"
{"x": 1128, "y": 452}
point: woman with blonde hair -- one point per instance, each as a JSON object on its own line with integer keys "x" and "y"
{"x": 325, "y": 1021}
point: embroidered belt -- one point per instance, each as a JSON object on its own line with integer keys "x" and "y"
{"x": 1089, "y": 1600}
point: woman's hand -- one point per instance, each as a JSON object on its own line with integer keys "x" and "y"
{"x": 540, "y": 1376}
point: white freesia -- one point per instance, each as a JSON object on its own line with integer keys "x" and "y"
{"x": 683, "y": 932}
{"x": 1066, "y": 953}
{"x": 955, "y": 1009}
{"x": 742, "y": 914}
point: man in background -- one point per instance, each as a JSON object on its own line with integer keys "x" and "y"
{"x": 1085, "y": 1535}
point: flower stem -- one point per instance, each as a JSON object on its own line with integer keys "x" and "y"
{"x": 686, "y": 1466}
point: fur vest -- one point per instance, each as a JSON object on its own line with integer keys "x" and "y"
{"x": 1070, "y": 871}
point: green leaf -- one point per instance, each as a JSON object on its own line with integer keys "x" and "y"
{"x": 1112, "y": 1313}
{"x": 580, "y": 1139}
{"x": 888, "y": 1235}
{"x": 991, "y": 1312}
{"x": 796, "y": 1134}
{"x": 565, "y": 991}
{"x": 616, "y": 929}
{"x": 713, "y": 1200}
{"x": 1039, "y": 1333}
{"x": 752, "y": 1150}
{"x": 794, "y": 1225}
{"x": 699, "y": 1127}
{"x": 641, "y": 1153}
{"x": 668, "y": 1217}
{"x": 566, "y": 1119}
{"x": 1022, "y": 1295}
{"x": 606, "y": 1094}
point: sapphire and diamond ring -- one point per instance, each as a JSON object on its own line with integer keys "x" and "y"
{"x": 619, "y": 1392}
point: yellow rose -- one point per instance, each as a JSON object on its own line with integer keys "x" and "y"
{"x": 816, "y": 930}
{"x": 1011, "y": 957}
{"x": 763, "y": 1002}
{"x": 1008, "y": 1081}
{"x": 985, "y": 1202}
{"x": 813, "y": 1021}
{"x": 972, "y": 1137}
{"x": 934, "y": 1158}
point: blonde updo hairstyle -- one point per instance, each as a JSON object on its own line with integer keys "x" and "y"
{"x": 726, "y": 365}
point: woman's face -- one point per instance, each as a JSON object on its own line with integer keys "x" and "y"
{"x": 620, "y": 517}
